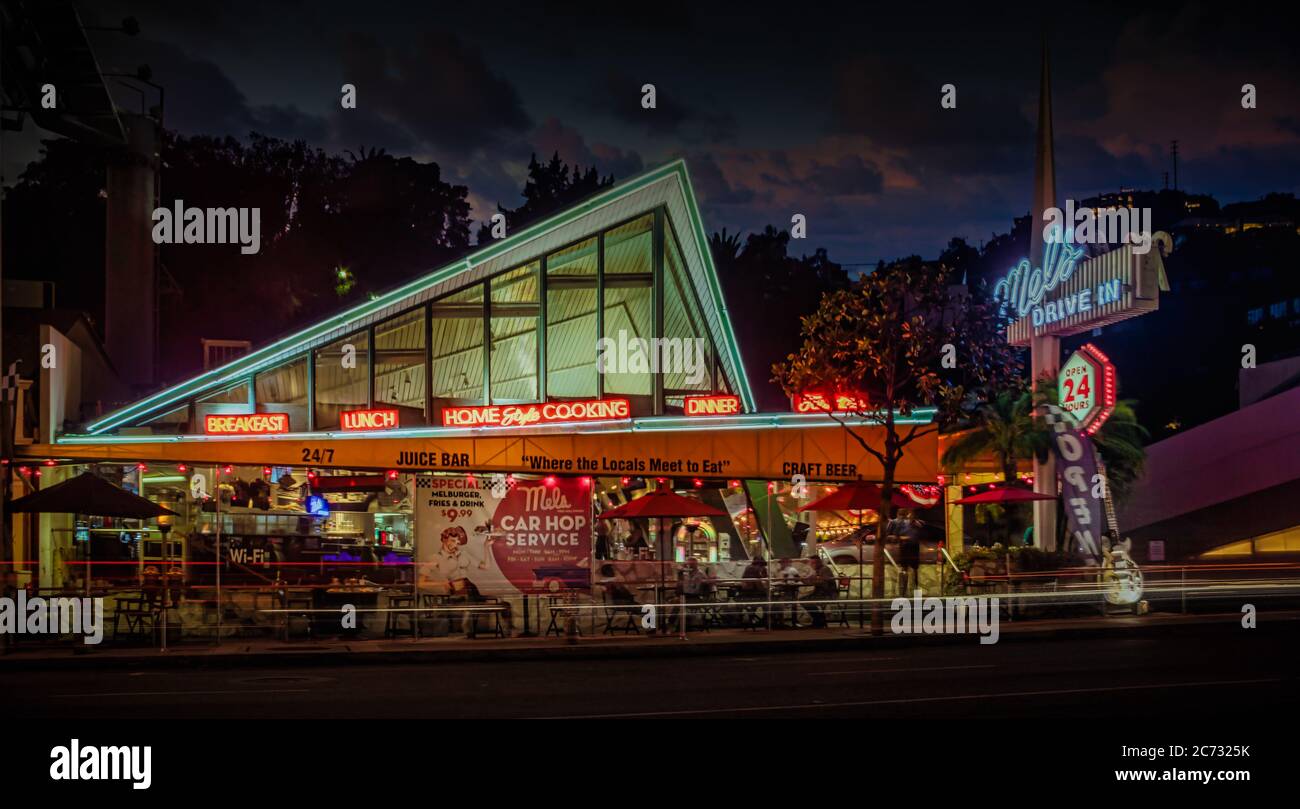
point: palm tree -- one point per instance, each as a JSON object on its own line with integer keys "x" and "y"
{"x": 1005, "y": 427}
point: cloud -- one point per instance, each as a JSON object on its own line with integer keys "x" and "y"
{"x": 619, "y": 95}
{"x": 553, "y": 136}
{"x": 441, "y": 92}
{"x": 201, "y": 98}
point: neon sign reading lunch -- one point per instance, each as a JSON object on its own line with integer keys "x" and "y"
{"x": 368, "y": 419}
{"x": 548, "y": 413}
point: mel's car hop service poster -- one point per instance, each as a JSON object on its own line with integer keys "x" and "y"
{"x": 534, "y": 537}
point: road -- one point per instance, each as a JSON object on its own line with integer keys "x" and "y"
{"x": 1220, "y": 671}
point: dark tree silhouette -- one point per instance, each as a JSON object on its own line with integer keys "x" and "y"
{"x": 549, "y": 188}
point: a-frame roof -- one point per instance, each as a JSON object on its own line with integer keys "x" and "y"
{"x": 668, "y": 186}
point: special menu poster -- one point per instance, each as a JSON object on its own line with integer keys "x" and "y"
{"x": 534, "y": 537}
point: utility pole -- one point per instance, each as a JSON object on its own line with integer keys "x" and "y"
{"x": 1173, "y": 151}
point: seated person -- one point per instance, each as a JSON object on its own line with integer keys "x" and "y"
{"x": 693, "y": 582}
{"x": 755, "y": 579}
{"x": 616, "y": 590}
{"x": 825, "y": 588}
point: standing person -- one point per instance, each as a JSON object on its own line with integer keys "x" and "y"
{"x": 825, "y": 588}
{"x": 694, "y": 583}
{"x": 907, "y": 529}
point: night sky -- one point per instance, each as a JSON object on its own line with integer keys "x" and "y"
{"x": 820, "y": 110}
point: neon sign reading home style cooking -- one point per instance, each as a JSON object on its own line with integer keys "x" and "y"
{"x": 548, "y": 413}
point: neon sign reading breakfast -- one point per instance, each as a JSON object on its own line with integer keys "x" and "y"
{"x": 548, "y": 413}
{"x": 247, "y": 424}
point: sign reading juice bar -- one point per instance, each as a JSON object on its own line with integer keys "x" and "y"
{"x": 818, "y": 453}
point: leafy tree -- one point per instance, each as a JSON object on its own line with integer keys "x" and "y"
{"x": 1006, "y": 427}
{"x": 769, "y": 290}
{"x": 884, "y": 338}
{"x": 550, "y": 187}
{"x": 381, "y": 219}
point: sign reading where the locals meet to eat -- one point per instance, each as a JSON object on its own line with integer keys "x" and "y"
{"x": 1085, "y": 388}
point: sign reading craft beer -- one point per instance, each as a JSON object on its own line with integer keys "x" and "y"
{"x": 720, "y": 405}
{"x": 368, "y": 419}
{"x": 1085, "y": 388}
{"x": 246, "y": 424}
{"x": 546, "y": 413}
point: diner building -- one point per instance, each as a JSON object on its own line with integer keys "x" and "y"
{"x": 453, "y": 442}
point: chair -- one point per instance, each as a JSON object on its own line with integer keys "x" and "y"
{"x": 399, "y": 606}
{"x": 141, "y": 613}
{"x": 298, "y": 604}
{"x": 561, "y": 608}
{"x": 630, "y": 612}
{"x": 490, "y": 608}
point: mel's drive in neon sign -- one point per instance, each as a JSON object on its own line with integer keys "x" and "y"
{"x": 1023, "y": 289}
{"x": 381, "y": 419}
{"x": 720, "y": 405}
{"x": 526, "y": 414}
{"x": 246, "y": 424}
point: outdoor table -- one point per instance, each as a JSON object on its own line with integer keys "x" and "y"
{"x": 337, "y": 597}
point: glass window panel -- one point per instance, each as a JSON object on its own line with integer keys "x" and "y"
{"x": 342, "y": 378}
{"x": 628, "y": 248}
{"x": 399, "y": 366}
{"x": 514, "y": 335}
{"x": 576, "y": 260}
{"x": 686, "y": 355}
{"x": 173, "y": 421}
{"x": 235, "y": 395}
{"x": 627, "y": 317}
{"x": 284, "y": 390}
{"x": 571, "y": 322}
{"x": 457, "y": 334}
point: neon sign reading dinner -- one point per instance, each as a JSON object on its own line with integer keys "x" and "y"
{"x": 548, "y": 413}
{"x": 720, "y": 405}
{"x": 246, "y": 424}
{"x": 368, "y": 419}
{"x": 1023, "y": 289}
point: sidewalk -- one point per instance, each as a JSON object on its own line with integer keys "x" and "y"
{"x": 242, "y": 652}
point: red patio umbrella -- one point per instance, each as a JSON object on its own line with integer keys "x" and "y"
{"x": 1005, "y": 494}
{"x": 662, "y": 503}
{"x": 857, "y": 495}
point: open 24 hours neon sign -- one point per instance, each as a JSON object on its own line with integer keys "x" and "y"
{"x": 1085, "y": 388}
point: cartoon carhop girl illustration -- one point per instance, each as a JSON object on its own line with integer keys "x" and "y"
{"x": 454, "y": 563}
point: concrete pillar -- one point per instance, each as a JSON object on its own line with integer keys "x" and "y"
{"x": 1045, "y": 357}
